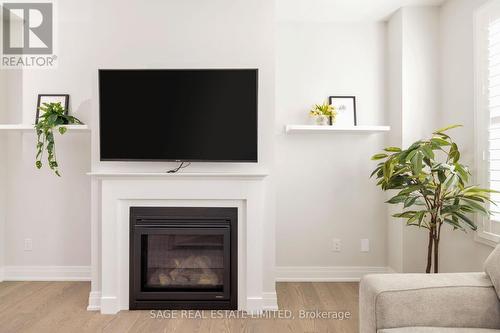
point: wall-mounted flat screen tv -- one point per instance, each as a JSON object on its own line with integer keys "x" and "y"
{"x": 178, "y": 115}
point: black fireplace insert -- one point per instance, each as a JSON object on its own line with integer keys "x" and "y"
{"x": 183, "y": 258}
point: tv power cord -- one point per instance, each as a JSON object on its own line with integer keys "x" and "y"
{"x": 181, "y": 166}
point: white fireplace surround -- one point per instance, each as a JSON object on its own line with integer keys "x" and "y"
{"x": 114, "y": 194}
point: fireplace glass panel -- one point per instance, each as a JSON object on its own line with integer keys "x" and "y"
{"x": 183, "y": 262}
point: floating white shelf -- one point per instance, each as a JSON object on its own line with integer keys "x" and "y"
{"x": 27, "y": 127}
{"x": 337, "y": 129}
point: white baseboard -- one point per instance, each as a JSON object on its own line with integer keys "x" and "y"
{"x": 269, "y": 301}
{"x": 391, "y": 270}
{"x": 1, "y": 274}
{"x": 109, "y": 305}
{"x": 94, "y": 301}
{"x": 46, "y": 273}
{"x": 325, "y": 274}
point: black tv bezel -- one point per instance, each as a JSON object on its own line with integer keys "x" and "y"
{"x": 256, "y": 70}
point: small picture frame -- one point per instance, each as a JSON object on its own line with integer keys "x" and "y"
{"x": 346, "y": 110}
{"x": 51, "y": 98}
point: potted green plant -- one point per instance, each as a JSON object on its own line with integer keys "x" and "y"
{"x": 323, "y": 114}
{"x": 52, "y": 116}
{"x": 432, "y": 187}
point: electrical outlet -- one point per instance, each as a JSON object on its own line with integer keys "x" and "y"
{"x": 28, "y": 244}
{"x": 365, "y": 245}
{"x": 337, "y": 245}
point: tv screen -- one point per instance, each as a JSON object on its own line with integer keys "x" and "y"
{"x": 178, "y": 115}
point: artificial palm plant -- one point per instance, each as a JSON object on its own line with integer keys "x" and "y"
{"x": 432, "y": 188}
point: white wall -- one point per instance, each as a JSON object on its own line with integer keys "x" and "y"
{"x": 421, "y": 102}
{"x": 2, "y": 207}
{"x": 188, "y": 34}
{"x": 53, "y": 212}
{"x": 10, "y": 112}
{"x": 421, "y": 81}
{"x": 414, "y": 100}
{"x": 434, "y": 86}
{"x": 158, "y": 34}
{"x": 3, "y": 175}
{"x": 323, "y": 190}
{"x": 459, "y": 251}
{"x": 394, "y": 83}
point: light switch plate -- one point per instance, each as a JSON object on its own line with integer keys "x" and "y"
{"x": 365, "y": 245}
{"x": 337, "y": 245}
{"x": 28, "y": 244}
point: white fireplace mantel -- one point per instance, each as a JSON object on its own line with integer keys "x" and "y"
{"x": 180, "y": 174}
{"x": 115, "y": 193}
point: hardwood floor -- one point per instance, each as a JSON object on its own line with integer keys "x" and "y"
{"x": 61, "y": 307}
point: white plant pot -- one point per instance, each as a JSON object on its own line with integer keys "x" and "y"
{"x": 321, "y": 120}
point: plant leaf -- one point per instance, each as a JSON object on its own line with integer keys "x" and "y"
{"x": 476, "y": 206}
{"x": 467, "y": 221}
{"x": 379, "y": 157}
{"x": 427, "y": 151}
{"x": 440, "y": 142}
{"x": 444, "y": 129}
{"x": 410, "y": 201}
{"x": 393, "y": 149}
{"x": 397, "y": 199}
{"x": 416, "y": 162}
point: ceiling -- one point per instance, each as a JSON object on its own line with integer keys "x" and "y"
{"x": 343, "y": 10}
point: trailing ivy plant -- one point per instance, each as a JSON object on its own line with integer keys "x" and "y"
{"x": 52, "y": 115}
{"x": 432, "y": 188}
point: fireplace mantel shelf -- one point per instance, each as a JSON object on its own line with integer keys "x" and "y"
{"x": 107, "y": 174}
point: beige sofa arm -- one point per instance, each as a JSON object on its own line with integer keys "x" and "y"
{"x": 439, "y": 300}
